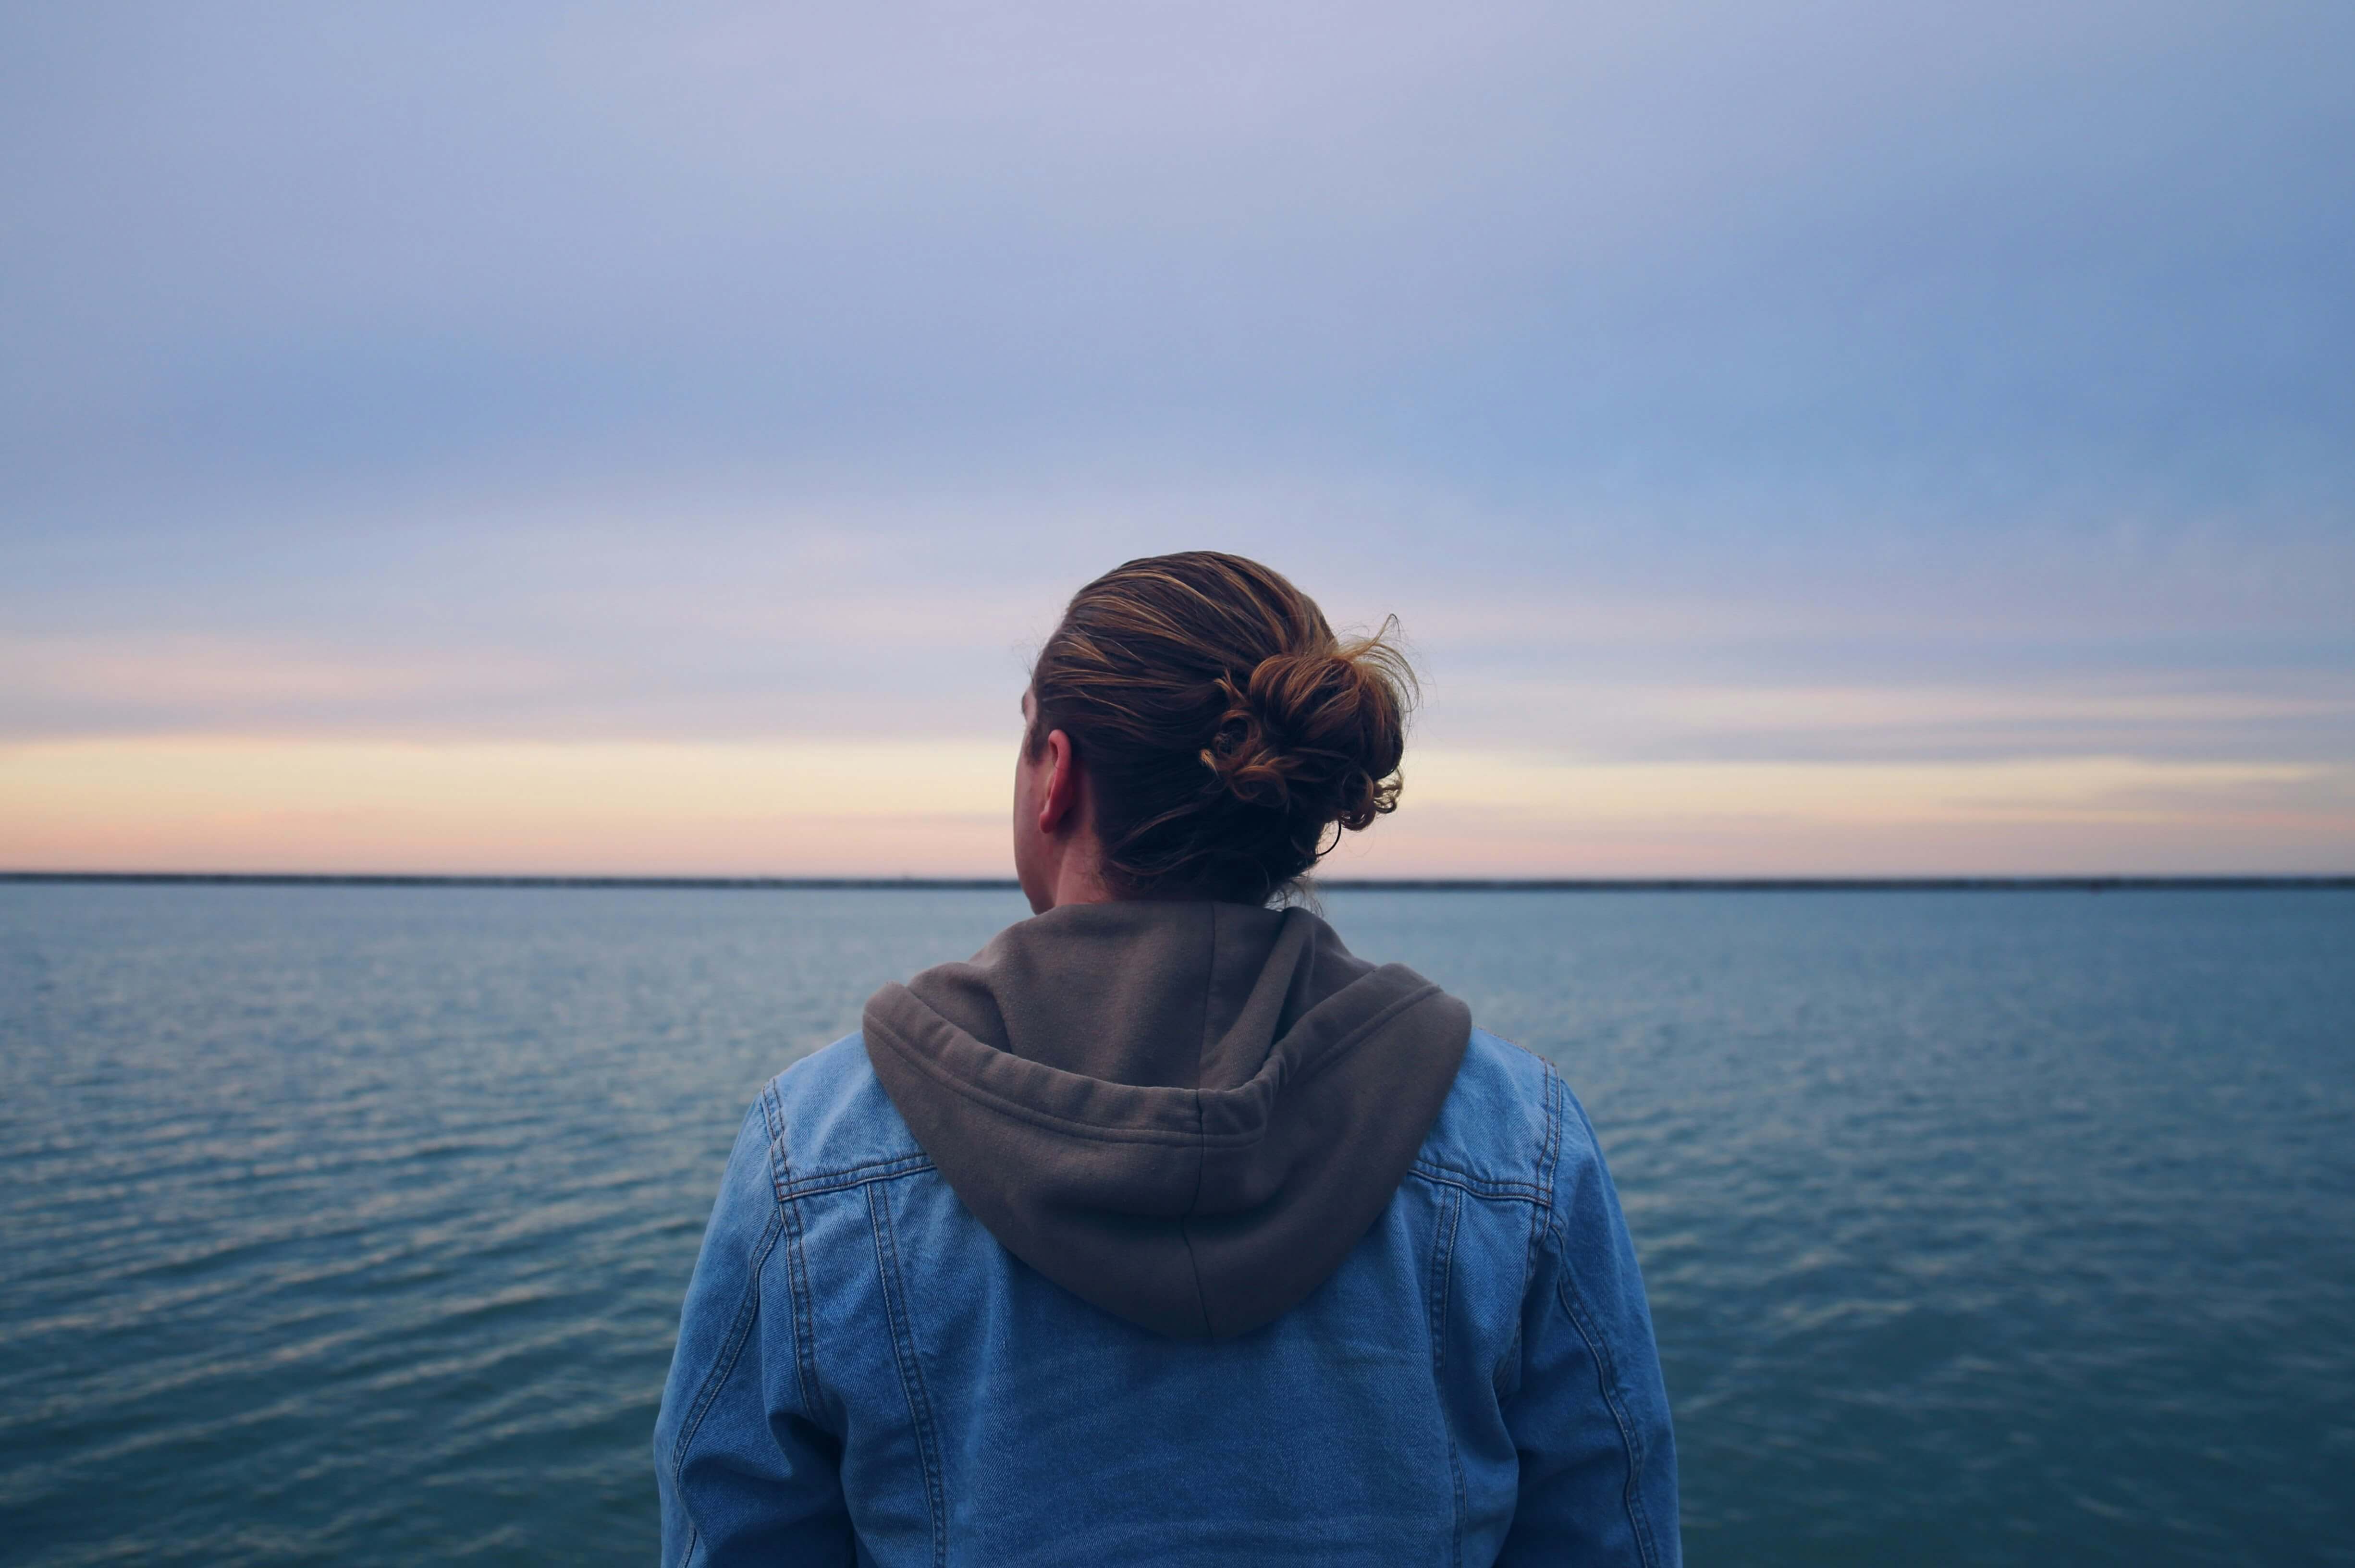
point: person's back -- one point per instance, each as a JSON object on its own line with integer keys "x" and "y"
{"x": 1165, "y": 1231}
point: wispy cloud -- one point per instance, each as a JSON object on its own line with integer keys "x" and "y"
{"x": 1707, "y": 387}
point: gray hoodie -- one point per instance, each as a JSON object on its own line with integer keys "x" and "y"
{"x": 1185, "y": 1112}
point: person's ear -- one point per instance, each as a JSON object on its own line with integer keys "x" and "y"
{"x": 1062, "y": 797}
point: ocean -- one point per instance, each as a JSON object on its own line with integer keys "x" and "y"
{"x": 349, "y": 1224}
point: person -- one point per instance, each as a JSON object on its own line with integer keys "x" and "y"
{"x": 1167, "y": 1230}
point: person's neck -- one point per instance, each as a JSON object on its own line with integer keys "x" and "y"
{"x": 1079, "y": 880}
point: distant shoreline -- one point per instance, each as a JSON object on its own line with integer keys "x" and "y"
{"x": 1332, "y": 885}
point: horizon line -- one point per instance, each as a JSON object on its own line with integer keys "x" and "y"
{"x": 2122, "y": 882}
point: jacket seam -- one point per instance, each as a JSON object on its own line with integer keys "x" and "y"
{"x": 821, "y": 1172}
{"x": 773, "y": 1122}
{"x": 1443, "y": 1273}
{"x": 814, "y": 1182}
{"x": 748, "y": 1312}
{"x": 797, "y": 1287}
{"x": 1607, "y": 1380}
{"x": 1477, "y": 1186}
{"x": 1573, "y": 1305}
{"x": 1556, "y": 1090}
{"x": 1540, "y": 1207}
{"x": 1542, "y": 1212}
{"x": 796, "y": 1263}
{"x": 1177, "y": 1136}
{"x": 911, "y": 1375}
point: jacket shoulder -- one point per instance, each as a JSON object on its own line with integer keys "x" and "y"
{"x": 1499, "y": 1120}
{"x": 829, "y": 1118}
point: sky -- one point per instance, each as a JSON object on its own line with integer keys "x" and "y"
{"x": 1808, "y": 439}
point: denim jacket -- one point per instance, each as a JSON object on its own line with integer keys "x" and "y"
{"x": 865, "y": 1375}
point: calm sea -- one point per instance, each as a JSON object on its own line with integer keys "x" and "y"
{"x": 349, "y": 1225}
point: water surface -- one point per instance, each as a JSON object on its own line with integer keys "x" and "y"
{"x": 349, "y": 1224}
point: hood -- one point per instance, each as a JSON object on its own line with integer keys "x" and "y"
{"x": 1186, "y": 1113}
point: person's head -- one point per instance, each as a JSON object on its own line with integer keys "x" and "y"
{"x": 1194, "y": 730}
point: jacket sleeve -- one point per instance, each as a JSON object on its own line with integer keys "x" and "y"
{"x": 745, "y": 1470}
{"x": 1589, "y": 1417}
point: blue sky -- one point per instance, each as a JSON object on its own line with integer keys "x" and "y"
{"x": 1820, "y": 436}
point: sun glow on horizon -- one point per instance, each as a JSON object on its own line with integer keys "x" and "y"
{"x": 869, "y": 808}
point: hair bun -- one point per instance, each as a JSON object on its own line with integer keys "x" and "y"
{"x": 1316, "y": 731}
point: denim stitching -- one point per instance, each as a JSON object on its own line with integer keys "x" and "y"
{"x": 1442, "y": 1270}
{"x": 817, "y": 1181}
{"x": 1541, "y": 1213}
{"x": 1639, "y": 1519}
{"x": 872, "y": 1179}
{"x": 911, "y": 1376}
{"x": 739, "y": 1332}
{"x": 804, "y": 1314}
{"x": 773, "y": 1119}
{"x": 805, "y": 1324}
{"x": 1555, "y": 1092}
{"x": 1479, "y": 1186}
{"x": 1607, "y": 1375}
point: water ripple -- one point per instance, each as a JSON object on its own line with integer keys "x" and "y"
{"x": 350, "y": 1225}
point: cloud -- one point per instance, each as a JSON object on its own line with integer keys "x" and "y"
{"x": 1703, "y": 385}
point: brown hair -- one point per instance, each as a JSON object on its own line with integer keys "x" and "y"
{"x": 1223, "y": 727}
